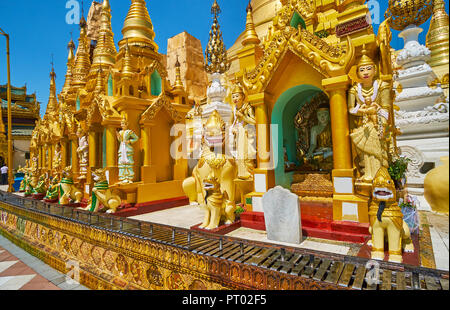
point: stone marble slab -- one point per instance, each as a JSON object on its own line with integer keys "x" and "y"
{"x": 282, "y": 215}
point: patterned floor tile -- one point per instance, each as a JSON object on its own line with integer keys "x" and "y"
{"x": 16, "y": 282}
{"x": 6, "y": 264}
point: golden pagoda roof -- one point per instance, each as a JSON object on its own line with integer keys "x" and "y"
{"x": 138, "y": 27}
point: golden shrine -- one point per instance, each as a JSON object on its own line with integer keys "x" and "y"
{"x": 307, "y": 106}
{"x": 129, "y": 87}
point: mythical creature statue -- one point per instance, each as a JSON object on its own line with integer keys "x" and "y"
{"x": 386, "y": 220}
{"x": 102, "y": 195}
{"x": 126, "y": 138}
{"x": 52, "y": 194}
{"x": 369, "y": 103}
{"x": 32, "y": 183}
{"x": 41, "y": 187}
{"x": 212, "y": 184}
{"x": 67, "y": 190}
{"x": 57, "y": 158}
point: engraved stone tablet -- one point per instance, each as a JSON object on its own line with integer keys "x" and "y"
{"x": 282, "y": 215}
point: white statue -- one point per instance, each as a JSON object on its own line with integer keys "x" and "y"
{"x": 83, "y": 152}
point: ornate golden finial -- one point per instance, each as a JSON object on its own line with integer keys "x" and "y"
{"x": 216, "y": 52}
{"x": 250, "y": 36}
{"x": 404, "y": 13}
{"x": 178, "y": 82}
{"x": 438, "y": 35}
{"x": 127, "y": 70}
{"x": 138, "y": 27}
{"x": 105, "y": 51}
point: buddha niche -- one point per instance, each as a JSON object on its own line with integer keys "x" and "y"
{"x": 314, "y": 144}
{"x": 320, "y": 146}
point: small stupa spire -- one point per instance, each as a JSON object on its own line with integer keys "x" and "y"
{"x": 250, "y": 36}
{"x": 178, "y": 85}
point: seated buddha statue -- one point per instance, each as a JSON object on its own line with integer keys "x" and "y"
{"x": 320, "y": 147}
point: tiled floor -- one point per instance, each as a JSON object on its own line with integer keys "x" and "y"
{"x": 16, "y": 275}
{"x": 21, "y": 271}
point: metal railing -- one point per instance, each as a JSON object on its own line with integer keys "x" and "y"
{"x": 277, "y": 258}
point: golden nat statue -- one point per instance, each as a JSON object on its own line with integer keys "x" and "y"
{"x": 369, "y": 101}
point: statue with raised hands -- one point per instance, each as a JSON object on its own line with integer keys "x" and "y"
{"x": 243, "y": 133}
{"x": 369, "y": 102}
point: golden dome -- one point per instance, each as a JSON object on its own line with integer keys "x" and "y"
{"x": 404, "y": 13}
{"x": 138, "y": 27}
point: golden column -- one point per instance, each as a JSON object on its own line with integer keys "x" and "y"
{"x": 64, "y": 151}
{"x": 148, "y": 172}
{"x": 75, "y": 161}
{"x": 337, "y": 91}
{"x": 93, "y": 153}
{"x": 112, "y": 144}
{"x": 347, "y": 206}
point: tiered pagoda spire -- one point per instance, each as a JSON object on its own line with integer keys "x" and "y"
{"x": 52, "y": 104}
{"x": 70, "y": 64}
{"x": 105, "y": 51}
{"x": 138, "y": 27}
{"x": 250, "y": 36}
{"x": 127, "y": 69}
{"x": 82, "y": 62}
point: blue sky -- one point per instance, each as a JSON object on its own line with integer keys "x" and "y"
{"x": 38, "y": 29}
